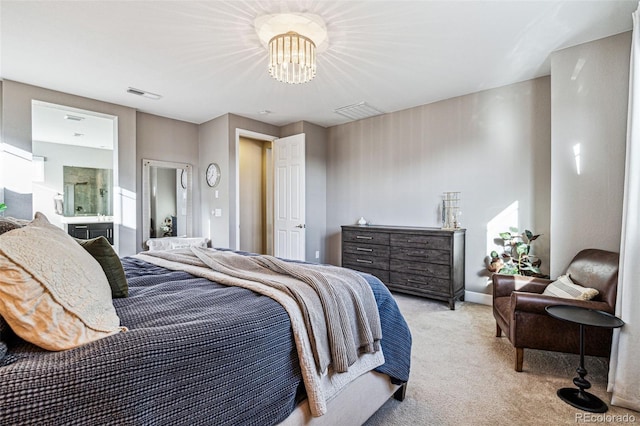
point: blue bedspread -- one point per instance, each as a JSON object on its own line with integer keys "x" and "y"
{"x": 196, "y": 352}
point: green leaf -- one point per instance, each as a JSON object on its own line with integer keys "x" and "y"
{"x": 494, "y": 254}
{"x": 509, "y": 270}
{"x": 528, "y": 234}
{"x": 3, "y": 207}
{"x": 522, "y": 248}
{"x": 505, "y": 235}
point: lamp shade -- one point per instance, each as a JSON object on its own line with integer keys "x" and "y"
{"x": 292, "y": 58}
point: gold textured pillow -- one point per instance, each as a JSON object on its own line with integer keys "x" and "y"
{"x": 567, "y": 289}
{"x": 52, "y": 292}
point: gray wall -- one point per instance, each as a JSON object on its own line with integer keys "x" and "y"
{"x": 589, "y": 107}
{"x": 493, "y": 146}
{"x": 1, "y": 177}
{"x": 16, "y": 131}
{"x": 213, "y": 147}
{"x": 166, "y": 139}
{"x": 217, "y": 143}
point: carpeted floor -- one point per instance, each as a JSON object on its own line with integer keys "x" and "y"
{"x": 461, "y": 374}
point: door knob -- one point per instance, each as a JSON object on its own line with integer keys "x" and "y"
{"x": 301, "y": 226}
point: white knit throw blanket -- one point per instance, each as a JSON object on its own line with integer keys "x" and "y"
{"x": 335, "y": 345}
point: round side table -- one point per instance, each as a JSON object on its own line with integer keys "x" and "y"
{"x": 580, "y": 398}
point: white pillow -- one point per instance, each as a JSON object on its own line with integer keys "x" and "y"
{"x": 53, "y": 293}
{"x": 567, "y": 289}
{"x": 184, "y": 243}
{"x": 170, "y": 243}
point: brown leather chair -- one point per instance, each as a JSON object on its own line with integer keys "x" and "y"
{"x": 518, "y": 307}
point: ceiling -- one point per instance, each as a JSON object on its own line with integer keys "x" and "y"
{"x": 205, "y": 59}
{"x": 69, "y": 126}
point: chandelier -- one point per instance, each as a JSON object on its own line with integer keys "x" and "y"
{"x": 292, "y": 58}
{"x": 292, "y": 41}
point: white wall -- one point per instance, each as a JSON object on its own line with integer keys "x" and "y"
{"x": 589, "y": 87}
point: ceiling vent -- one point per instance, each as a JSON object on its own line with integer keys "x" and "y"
{"x": 143, "y": 93}
{"x": 358, "y": 111}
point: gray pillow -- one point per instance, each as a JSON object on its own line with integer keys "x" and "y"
{"x": 9, "y": 224}
{"x": 5, "y": 334}
{"x": 108, "y": 259}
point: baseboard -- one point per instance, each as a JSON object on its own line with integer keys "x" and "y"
{"x": 481, "y": 298}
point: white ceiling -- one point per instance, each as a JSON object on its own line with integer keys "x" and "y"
{"x": 70, "y": 126}
{"x": 205, "y": 58}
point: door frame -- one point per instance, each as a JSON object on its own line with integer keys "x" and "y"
{"x": 251, "y": 135}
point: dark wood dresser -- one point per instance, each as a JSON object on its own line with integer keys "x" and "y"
{"x": 426, "y": 262}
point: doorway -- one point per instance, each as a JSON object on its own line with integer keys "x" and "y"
{"x": 255, "y": 195}
{"x": 74, "y": 155}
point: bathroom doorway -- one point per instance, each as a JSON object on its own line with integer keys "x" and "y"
{"x": 255, "y": 195}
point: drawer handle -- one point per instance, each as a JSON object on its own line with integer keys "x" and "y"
{"x": 364, "y": 249}
{"x": 361, "y": 237}
{"x": 364, "y": 261}
{"x": 81, "y": 226}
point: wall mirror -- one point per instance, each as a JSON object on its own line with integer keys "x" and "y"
{"x": 166, "y": 199}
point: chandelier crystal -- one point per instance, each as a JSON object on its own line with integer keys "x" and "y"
{"x": 292, "y": 58}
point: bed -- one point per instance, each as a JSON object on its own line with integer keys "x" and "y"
{"x": 195, "y": 352}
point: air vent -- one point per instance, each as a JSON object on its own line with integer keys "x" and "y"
{"x": 73, "y": 117}
{"x": 358, "y": 111}
{"x": 143, "y": 93}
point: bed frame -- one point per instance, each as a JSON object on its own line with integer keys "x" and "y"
{"x": 368, "y": 392}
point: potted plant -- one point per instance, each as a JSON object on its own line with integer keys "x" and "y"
{"x": 3, "y": 207}
{"x": 516, "y": 257}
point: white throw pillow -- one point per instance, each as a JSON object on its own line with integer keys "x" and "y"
{"x": 53, "y": 293}
{"x": 567, "y": 289}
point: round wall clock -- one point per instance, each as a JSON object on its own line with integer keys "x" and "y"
{"x": 213, "y": 174}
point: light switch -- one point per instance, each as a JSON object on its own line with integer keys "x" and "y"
{"x": 218, "y": 213}
{"x": 217, "y": 195}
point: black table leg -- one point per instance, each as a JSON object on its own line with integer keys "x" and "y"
{"x": 580, "y": 398}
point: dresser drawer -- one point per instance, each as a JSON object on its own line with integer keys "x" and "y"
{"x": 424, "y": 241}
{"x": 422, "y": 255}
{"x": 420, "y": 268}
{"x": 366, "y": 249}
{"x": 364, "y": 236}
{"x": 427, "y": 262}
{"x": 430, "y": 284}
{"x": 365, "y": 261}
{"x": 380, "y": 274}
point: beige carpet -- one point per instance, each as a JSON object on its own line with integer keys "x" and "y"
{"x": 461, "y": 374}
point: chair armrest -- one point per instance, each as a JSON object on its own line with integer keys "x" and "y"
{"x": 535, "y": 303}
{"x": 504, "y": 285}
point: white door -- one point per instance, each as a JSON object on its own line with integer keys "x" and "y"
{"x": 289, "y": 197}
